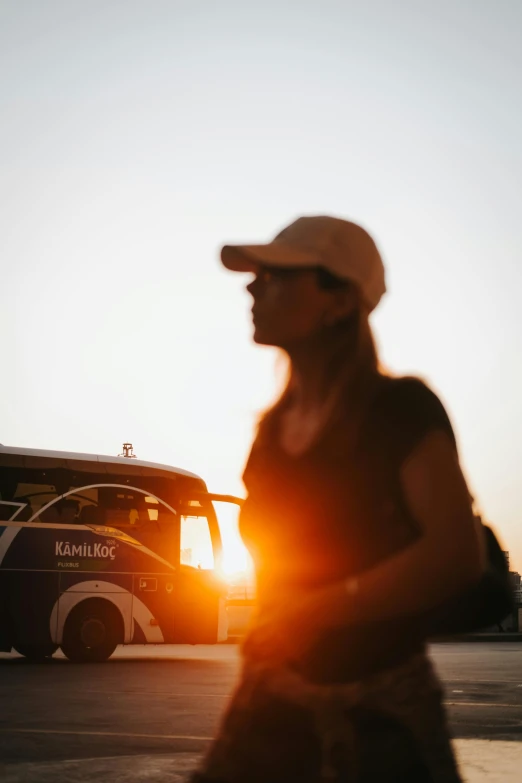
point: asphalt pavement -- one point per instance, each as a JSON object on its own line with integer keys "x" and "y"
{"x": 149, "y": 712}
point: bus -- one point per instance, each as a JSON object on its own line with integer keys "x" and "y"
{"x": 97, "y": 551}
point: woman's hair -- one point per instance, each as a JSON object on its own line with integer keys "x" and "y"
{"x": 352, "y": 364}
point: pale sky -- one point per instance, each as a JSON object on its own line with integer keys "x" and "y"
{"x": 137, "y": 137}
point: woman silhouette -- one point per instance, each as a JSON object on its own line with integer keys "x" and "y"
{"x": 358, "y": 519}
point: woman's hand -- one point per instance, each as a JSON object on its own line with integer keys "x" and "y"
{"x": 285, "y": 631}
{"x": 269, "y": 640}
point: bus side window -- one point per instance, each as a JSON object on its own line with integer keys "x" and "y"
{"x": 92, "y": 515}
{"x": 69, "y": 510}
{"x": 6, "y": 512}
{"x": 50, "y": 515}
{"x": 26, "y": 512}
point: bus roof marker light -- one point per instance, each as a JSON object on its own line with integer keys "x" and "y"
{"x": 128, "y": 451}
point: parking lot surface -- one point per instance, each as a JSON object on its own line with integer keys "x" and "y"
{"x": 149, "y": 712}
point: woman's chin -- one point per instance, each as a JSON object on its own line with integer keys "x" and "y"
{"x": 262, "y": 338}
{"x": 259, "y": 339}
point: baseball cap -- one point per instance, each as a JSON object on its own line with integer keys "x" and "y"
{"x": 341, "y": 247}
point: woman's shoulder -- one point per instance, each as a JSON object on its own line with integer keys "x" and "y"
{"x": 408, "y": 394}
{"x": 404, "y": 411}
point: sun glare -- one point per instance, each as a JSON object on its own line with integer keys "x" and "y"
{"x": 236, "y": 563}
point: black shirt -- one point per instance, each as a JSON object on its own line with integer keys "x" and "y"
{"x": 337, "y": 509}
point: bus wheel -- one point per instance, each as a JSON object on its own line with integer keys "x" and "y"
{"x": 92, "y": 631}
{"x": 36, "y": 652}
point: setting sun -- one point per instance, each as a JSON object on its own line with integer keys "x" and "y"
{"x": 236, "y": 562}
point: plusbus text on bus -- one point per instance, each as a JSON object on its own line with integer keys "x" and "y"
{"x": 100, "y": 551}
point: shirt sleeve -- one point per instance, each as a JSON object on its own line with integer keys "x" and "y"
{"x": 405, "y": 412}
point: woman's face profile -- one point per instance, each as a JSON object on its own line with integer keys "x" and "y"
{"x": 290, "y": 307}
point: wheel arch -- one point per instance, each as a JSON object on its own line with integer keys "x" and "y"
{"x": 113, "y": 594}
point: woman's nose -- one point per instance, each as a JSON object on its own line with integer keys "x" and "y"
{"x": 253, "y": 288}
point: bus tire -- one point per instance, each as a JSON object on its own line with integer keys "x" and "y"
{"x": 36, "y": 653}
{"x": 92, "y": 631}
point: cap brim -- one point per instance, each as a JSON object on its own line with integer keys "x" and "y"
{"x": 247, "y": 258}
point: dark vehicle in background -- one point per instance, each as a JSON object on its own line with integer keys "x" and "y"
{"x": 100, "y": 551}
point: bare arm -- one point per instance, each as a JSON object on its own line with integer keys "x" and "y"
{"x": 450, "y": 554}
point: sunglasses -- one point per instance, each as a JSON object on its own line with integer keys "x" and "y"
{"x": 325, "y": 279}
